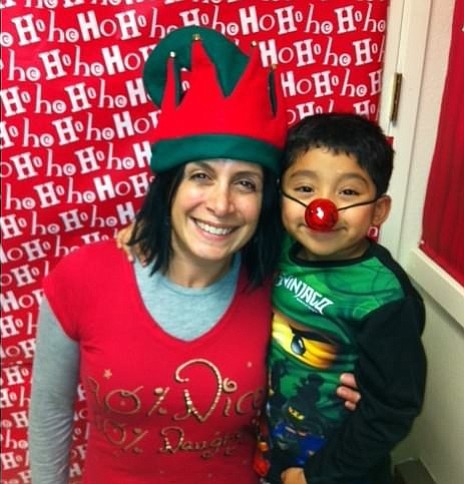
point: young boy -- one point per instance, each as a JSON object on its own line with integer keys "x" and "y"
{"x": 341, "y": 304}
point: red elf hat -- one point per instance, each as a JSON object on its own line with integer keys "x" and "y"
{"x": 234, "y": 108}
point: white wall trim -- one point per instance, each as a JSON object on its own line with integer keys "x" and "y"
{"x": 438, "y": 284}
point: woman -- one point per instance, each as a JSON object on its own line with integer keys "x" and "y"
{"x": 172, "y": 355}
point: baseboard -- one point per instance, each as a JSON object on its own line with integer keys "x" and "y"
{"x": 412, "y": 472}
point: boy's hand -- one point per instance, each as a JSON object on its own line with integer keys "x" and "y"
{"x": 122, "y": 240}
{"x": 348, "y": 391}
{"x": 293, "y": 475}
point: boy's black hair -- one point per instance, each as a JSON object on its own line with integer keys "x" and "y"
{"x": 153, "y": 226}
{"x": 346, "y": 133}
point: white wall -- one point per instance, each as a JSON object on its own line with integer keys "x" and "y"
{"x": 438, "y": 435}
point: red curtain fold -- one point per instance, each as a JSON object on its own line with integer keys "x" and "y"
{"x": 443, "y": 217}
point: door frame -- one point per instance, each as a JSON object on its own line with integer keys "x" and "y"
{"x": 407, "y": 33}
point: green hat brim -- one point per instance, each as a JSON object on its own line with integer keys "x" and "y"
{"x": 167, "y": 154}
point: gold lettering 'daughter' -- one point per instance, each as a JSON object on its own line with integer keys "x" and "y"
{"x": 174, "y": 441}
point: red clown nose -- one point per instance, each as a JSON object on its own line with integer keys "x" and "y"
{"x": 321, "y": 215}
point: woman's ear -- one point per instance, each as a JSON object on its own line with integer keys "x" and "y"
{"x": 381, "y": 210}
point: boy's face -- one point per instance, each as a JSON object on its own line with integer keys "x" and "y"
{"x": 319, "y": 173}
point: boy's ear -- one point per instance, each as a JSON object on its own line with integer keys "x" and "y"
{"x": 381, "y": 210}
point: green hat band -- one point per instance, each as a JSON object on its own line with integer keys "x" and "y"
{"x": 169, "y": 153}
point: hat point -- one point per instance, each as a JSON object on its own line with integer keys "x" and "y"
{"x": 172, "y": 54}
{"x": 254, "y": 43}
{"x": 196, "y": 36}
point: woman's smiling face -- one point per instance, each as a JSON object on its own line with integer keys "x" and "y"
{"x": 215, "y": 210}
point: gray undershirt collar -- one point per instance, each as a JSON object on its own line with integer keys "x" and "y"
{"x": 186, "y": 313}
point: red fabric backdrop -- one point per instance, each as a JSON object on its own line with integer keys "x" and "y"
{"x": 443, "y": 219}
{"x": 76, "y": 129}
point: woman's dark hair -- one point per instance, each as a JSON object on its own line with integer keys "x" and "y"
{"x": 346, "y": 133}
{"x": 153, "y": 226}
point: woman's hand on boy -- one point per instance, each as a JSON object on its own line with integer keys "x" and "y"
{"x": 348, "y": 391}
{"x": 132, "y": 252}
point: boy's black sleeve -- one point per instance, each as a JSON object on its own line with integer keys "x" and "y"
{"x": 391, "y": 378}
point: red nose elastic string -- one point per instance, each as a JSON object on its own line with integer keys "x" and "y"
{"x": 322, "y": 214}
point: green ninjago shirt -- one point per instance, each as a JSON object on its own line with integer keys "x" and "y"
{"x": 328, "y": 317}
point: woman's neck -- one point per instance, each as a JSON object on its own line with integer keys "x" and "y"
{"x": 194, "y": 274}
